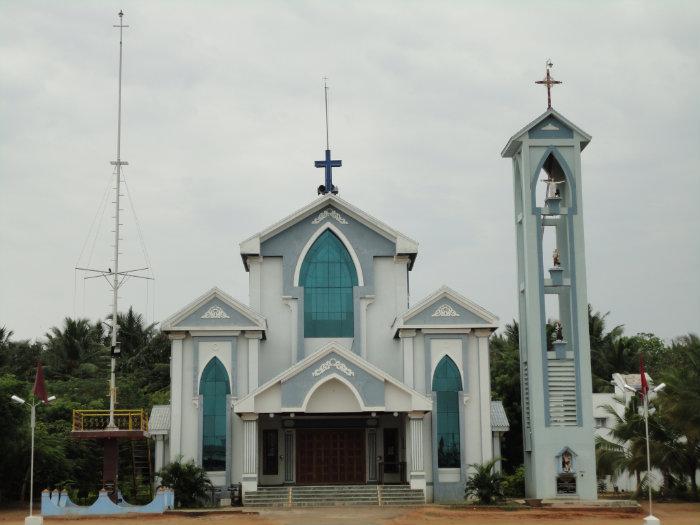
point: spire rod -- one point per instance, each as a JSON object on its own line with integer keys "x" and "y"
{"x": 328, "y": 164}
{"x": 325, "y": 96}
{"x": 549, "y": 82}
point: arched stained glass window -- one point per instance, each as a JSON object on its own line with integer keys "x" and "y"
{"x": 328, "y": 275}
{"x": 214, "y": 387}
{"x": 447, "y": 381}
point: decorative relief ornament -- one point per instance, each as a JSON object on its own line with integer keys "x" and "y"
{"x": 445, "y": 310}
{"x": 195, "y": 401}
{"x": 333, "y": 363}
{"x": 215, "y": 312}
{"x": 329, "y": 213}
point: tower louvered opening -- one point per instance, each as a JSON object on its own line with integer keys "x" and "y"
{"x": 562, "y": 392}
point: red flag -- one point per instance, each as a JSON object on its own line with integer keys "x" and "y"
{"x": 39, "y": 389}
{"x": 643, "y": 376}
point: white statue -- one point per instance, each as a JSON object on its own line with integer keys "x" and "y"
{"x": 566, "y": 462}
{"x": 556, "y": 258}
{"x": 553, "y": 187}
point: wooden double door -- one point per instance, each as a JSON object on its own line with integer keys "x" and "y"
{"x": 327, "y": 456}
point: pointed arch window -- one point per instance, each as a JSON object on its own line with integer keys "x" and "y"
{"x": 447, "y": 382}
{"x": 214, "y": 386}
{"x": 328, "y": 275}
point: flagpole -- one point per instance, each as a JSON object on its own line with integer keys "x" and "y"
{"x": 38, "y": 396}
{"x": 644, "y": 392}
{"x": 646, "y": 425}
{"x": 31, "y": 461}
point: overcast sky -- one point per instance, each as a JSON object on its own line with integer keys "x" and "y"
{"x": 223, "y": 118}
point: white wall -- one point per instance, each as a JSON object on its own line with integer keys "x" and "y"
{"x": 189, "y": 438}
{"x": 390, "y": 300}
{"x": 275, "y": 352}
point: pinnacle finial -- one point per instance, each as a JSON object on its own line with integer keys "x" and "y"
{"x": 549, "y": 82}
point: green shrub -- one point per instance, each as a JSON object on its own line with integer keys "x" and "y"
{"x": 513, "y": 485}
{"x": 484, "y": 483}
{"x": 189, "y": 481}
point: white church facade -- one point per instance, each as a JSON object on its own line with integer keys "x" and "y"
{"x": 328, "y": 375}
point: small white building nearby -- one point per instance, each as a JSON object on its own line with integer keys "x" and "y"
{"x": 327, "y": 374}
{"x": 604, "y": 422}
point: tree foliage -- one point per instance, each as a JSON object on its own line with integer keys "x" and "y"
{"x": 484, "y": 483}
{"x": 189, "y": 481}
{"x": 76, "y": 365}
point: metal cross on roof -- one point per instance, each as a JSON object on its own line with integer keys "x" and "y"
{"x": 549, "y": 82}
{"x": 328, "y": 164}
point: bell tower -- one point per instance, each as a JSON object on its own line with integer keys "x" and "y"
{"x": 555, "y": 360}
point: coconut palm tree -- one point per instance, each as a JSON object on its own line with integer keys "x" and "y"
{"x": 5, "y": 335}
{"x": 76, "y": 344}
{"x": 602, "y": 346}
{"x": 626, "y": 451}
{"x": 680, "y": 402}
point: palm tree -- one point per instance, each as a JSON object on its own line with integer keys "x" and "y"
{"x": 626, "y": 451}
{"x": 5, "y": 335}
{"x": 680, "y": 402}
{"x": 485, "y": 482}
{"x": 77, "y": 343}
{"x": 505, "y": 385}
{"x": 134, "y": 335}
{"x": 602, "y": 343}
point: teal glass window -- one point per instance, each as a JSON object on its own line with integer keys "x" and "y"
{"x": 447, "y": 382}
{"x": 328, "y": 275}
{"x": 214, "y": 387}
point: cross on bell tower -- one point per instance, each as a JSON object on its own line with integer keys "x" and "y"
{"x": 327, "y": 163}
{"x": 549, "y": 82}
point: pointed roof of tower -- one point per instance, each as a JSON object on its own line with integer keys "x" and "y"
{"x": 514, "y": 142}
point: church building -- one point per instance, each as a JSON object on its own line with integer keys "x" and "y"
{"x": 328, "y": 374}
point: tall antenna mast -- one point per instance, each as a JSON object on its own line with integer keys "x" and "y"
{"x": 115, "y": 277}
{"x": 115, "y": 284}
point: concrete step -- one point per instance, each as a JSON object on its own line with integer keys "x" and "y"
{"x": 337, "y": 504}
{"x": 334, "y": 495}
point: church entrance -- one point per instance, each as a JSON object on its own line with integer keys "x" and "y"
{"x": 330, "y": 456}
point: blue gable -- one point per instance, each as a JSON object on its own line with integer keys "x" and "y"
{"x": 551, "y": 128}
{"x": 295, "y": 389}
{"x": 445, "y": 311}
{"x": 215, "y": 313}
{"x": 289, "y": 244}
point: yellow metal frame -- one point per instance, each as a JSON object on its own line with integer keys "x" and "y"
{"x": 124, "y": 419}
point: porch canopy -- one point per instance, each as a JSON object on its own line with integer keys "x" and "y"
{"x": 333, "y": 380}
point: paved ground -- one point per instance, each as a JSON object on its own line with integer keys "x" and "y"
{"x": 669, "y": 513}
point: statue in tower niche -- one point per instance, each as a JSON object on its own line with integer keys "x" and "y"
{"x": 553, "y": 187}
{"x": 556, "y": 258}
{"x": 558, "y": 331}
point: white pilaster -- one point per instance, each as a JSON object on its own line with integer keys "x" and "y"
{"x": 497, "y": 450}
{"x": 407, "y": 338}
{"x": 364, "y": 303}
{"x": 159, "y": 453}
{"x": 417, "y": 469}
{"x": 255, "y": 281}
{"x": 253, "y": 351}
{"x": 484, "y": 394}
{"x": 176, "y": 394}
{"x": 249, "y": 479}
{"x": 293, "y": 305}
